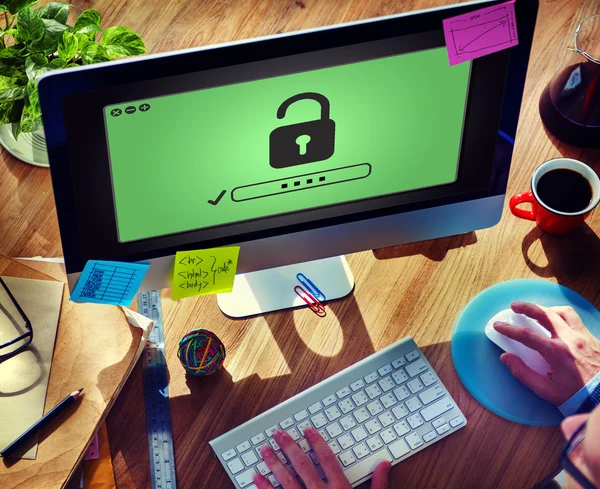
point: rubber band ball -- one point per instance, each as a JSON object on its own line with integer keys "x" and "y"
{"x": 201, "y": 352}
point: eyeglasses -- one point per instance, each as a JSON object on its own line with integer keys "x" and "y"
{"x": 568, "y": 465}
{"x": 21, "y": 322}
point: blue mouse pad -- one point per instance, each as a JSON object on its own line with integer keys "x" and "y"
{"x": 477, "y": 359}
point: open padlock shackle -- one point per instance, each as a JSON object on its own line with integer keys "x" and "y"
{"x": 306, "y": 95}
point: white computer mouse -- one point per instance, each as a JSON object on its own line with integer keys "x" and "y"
{"x": 530, "y": 357}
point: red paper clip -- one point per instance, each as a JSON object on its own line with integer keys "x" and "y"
{"x": 311, "y": 300}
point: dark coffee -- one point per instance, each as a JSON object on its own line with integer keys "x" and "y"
{"x": 565, "y": 190}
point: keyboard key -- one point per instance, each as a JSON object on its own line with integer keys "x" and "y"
{"x": 431, "y": 394}
{"x": 414, "y": 441}
{"x": 373, "y": 426}
{"x": 438, "y": 422}
{"x": 401, "y": 428}
{"x": 229, "y": 454}
{"x": 361, "y": 415}
{"x": 359, "y": 384}
{"x": 399, "y": 449}
{"x": 427, "y": 437}
{"x": 416, "y": 368}
{"x": 345, "y": 441}
{"x": 386, "y": 384}
{"x": 274, "y": 444}
{"x": 366, "y": 466}
{"x": 373, "y": 391}
{"x": 334, "y": 430}
{"x": 273, "y": 480}
{"x": 301, "y": 415}
{"x": 428, "y": 378}
{"x": 259, "y": 449}
{"x": 412, "y": 355}
{"x": 399, "y": 362}
{"x": 235, "y": 466}
{"x": 400, "y": 411}
{"x": 375, "y": 408}
{"x": 361, "y": 451}
{"x": 249, "y": 458}
{"x": 333, "y": 413}
{"x": 388, "y": 400}
{"x": 324, "y": 435}
{"x": 346, "y": 406}
{"x": 360, "y": 398}
{"x": 345, "y": 391}
{"x": 443, "y": 429}
{"x": 242, "y": 447}
{"x": 257, "y": 439}
{"x": 402, "y": 393}
{"x": 359, "y": 434}
{"x": 386, "y": 369}
{"x": 281, "y": 458}
{"x": 372, "y": 377}
{"x": 245, "y": 478}
{"x": 329, "y": 400}
{"x": 374, "y": 443}
{"x": 302, "y": 426}
{"x": 388, "y": 436}
{"x": 347, "y": 422}
{"x": 413, "y": 404}
{"x": 415, "y": 386}
{"x": 286, "y": 423}
{"x": 304, "y": 445}
{"x": 386, "y": 419}
{"x": 319, "y": 420}
{"x": 437, "y": 408}
{"x": 314, "y": 408}
{"x": 271, "y": 431}
{"x": 293, "y": 432}
{"x": 335, "y": 448}
{"x": 456, "y": 421}
{"x": 400, "y": 376}
{"x": 415, "y": 421}
{"x": 313, "y": 457}
{"x": 347, "y": 458}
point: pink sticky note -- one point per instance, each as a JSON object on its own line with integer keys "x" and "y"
{"x": 93, "y": 451}
{"x": 481, "y": 32}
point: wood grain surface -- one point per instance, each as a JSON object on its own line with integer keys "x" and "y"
{"x": 416, "y": 289}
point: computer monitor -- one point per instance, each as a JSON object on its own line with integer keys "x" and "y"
{"x": 297, "y": 147}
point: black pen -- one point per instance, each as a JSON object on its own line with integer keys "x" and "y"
{"x": 49, "y": 416}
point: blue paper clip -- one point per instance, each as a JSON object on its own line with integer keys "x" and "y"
{"x": 310, "y": 286}
{"x": 311, "y": 301}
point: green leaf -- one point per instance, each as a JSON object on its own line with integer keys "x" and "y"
{"x": 5, "y": 110}
{"x": 89, "y": 32}
{"x": 87, "y": 17}
{"x": 67, "y": 46}
{"x": 122, "y": 41}
{"x": 58, "y": 11}
{"x": 15, "y": 6}
{"x": 54, "y": 31}
{"x": 12, "y": 56}
{"x": 36, "y": 66}
{"x": 93, "y": 53}
{"x": 12, "y": 94}
{"x": 30, "y": 25}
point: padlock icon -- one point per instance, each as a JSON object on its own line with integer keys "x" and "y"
{"x": 305, "y": 142}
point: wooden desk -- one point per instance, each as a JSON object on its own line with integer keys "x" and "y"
{"x": 417, "y": 289}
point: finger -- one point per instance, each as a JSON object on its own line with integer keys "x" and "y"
{"x": 569, "y": 316}
{"x": 327, "y": 459}
{"x": 572, "y": 423}
{"x": 284, "y": 476}
{"x": 303, "y": 465}
{"x": 529, "y": 337}
{"x": 261, "y": 482}
{"x": 381, "y": 475}
{"x": 591, "y": 451}
{"x": 538, "y": 383}
{"x": 545, "y": 316}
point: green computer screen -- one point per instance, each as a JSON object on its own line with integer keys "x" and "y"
{"x": 221, "y": 155}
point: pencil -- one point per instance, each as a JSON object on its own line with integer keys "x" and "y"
{"x": 16, "y": 445}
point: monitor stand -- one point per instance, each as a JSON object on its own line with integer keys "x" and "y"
{"x": 273, "y": 289}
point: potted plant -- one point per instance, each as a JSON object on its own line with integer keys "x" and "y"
{"x": 37, "y": 41}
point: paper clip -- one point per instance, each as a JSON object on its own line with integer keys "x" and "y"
{"x": 310, "y": 286}
{"x": 311, "y": 301}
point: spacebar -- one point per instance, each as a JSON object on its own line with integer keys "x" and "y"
{"x": 367, "y": 466}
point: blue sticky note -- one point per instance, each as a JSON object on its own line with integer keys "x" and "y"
{"x": 109, "y": 282}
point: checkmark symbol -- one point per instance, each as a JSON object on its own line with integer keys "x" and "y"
{"x": 218, "y": 199}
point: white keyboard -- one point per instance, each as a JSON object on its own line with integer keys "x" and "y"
{"x": 386, "y": 407}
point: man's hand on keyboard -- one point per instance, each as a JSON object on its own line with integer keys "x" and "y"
{"x": 572, "y": 352}
{"x": 306, "y": 469}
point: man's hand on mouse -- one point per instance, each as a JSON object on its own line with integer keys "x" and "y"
{"x": 572, "y": 352}
{"x": 306, "y": 469}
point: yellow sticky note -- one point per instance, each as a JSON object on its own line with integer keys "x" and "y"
{"x": 203, "y": 272}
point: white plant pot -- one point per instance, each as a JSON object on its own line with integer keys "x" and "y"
{"x": 30, "y": 147}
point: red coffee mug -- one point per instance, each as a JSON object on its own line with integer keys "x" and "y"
{"x": 551, "y": 220}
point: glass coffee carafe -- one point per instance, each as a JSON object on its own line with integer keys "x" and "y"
{"x": 570, "y": 104}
